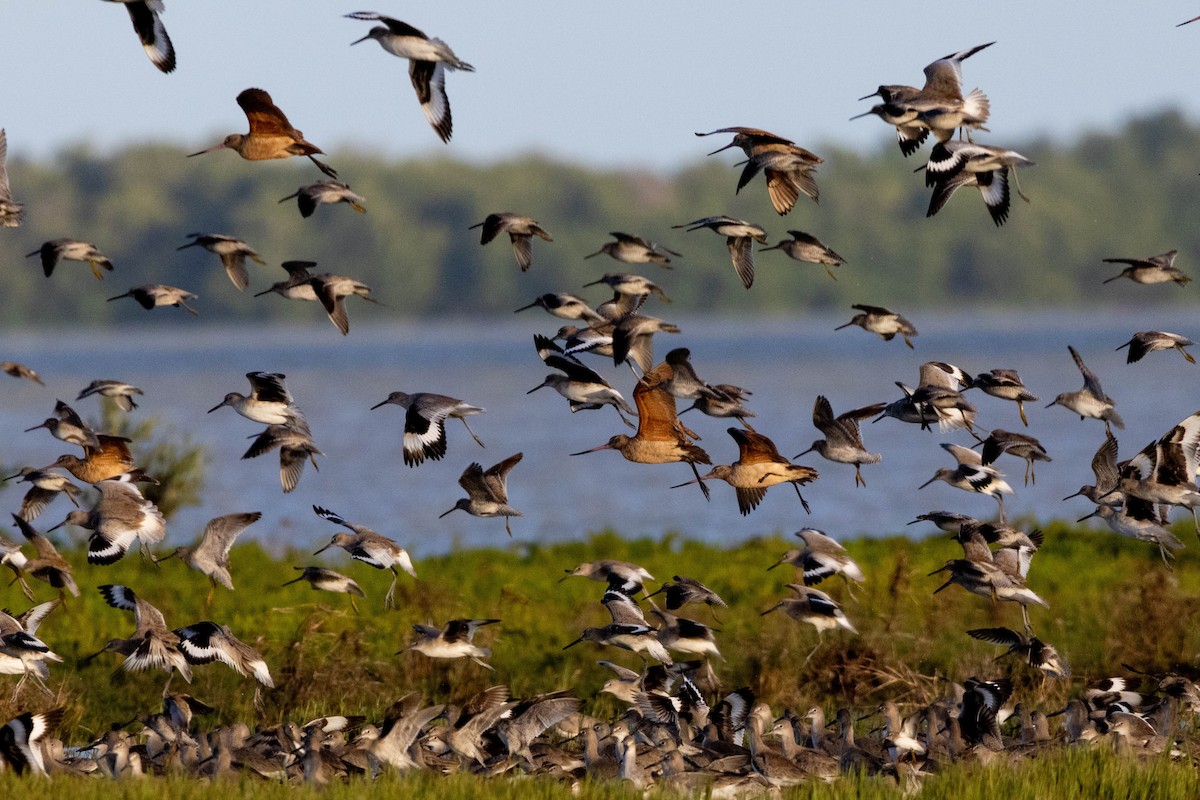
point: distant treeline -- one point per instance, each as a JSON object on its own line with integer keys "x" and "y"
{"x": 1131, "y": 193}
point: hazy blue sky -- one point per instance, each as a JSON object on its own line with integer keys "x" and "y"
{"x": 614, "y": 83}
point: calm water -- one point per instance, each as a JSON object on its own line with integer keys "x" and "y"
{"x": 185, "y": 370}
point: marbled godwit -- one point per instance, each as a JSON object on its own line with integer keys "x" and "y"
{"x": 520, "y": 230}
{"x": 1030, "y": 649}
{"x": 233, "y": 253}
{"x": 296, "y": 446}
{"x": 821, "y": 557}
{"x": 689, "y": 590}
{"x": 313, "y": 195}
{"x": 369, "y": 547}
{"x": 11, "y": 212}
{"x": 631, "y": 249}
{"x": 121, "y": 517}
{"x": 17, "y": 370}
{"x": 271, "y": 135}
{"x": 205, "y": 642}
{"x": 759, "y": 466}
{"x": 21, "y": 651}
{"x": 153, "y": 644}
{"x": 455, "y": 640}
{"x": 971, "y": 475}
{"x": 661, "y": 438}
{"x": 144, "y": 14}
{"x": 21, "y": 740}
{"x": 564, "y": 306}
{"x": 44, "y": 487}
{"x": 120, "y": 392}
{"x": 49, "y": 566}
{"x": 629, "y": 286}
{"x": 111, "y": 459}
{"x": 939, "y": 105}
{"x": 326, "y": 580}
{"x": 67, "y": 426}
{"x": 806, "y": 247}
{"x": 786, "y": 166}
{"x": 428, "y": 58}
{"x": 1005, "y": 384}
{"x": 623, "y": 576}
{"x": 953, "y": 165}
{"x": 1155, "y": 269}
{"x": 424, "y": 423}
{"x": 57, "y": 250}
{"x": 1017, "y": 444}
{"x": 816, "y": 608}
{"x": 211, "y": 556}
{"x": 153, "y": 295}
{"x": 740, "y": 237}
{"x": 1090, "y": 401}
{"x": 269, "y": 401}
{"x": 579, "y": 384}
{"x": 843, "y": 442}
{"x": 487, "y": 491}
{"x": 881, "y": 321}
{"x": 1150, "y": 341}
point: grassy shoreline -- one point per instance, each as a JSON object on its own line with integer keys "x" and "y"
{"x": 1111, "y": 602}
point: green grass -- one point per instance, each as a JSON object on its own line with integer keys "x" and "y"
{"x": 1111, "y": 602}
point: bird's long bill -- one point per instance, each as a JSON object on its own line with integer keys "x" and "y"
{"x": 585, "y": 258}
{"x": 604, "y": 446}
{"x": 570, "y": 573}
{"x": 221, "y": 404}
{"x": 1081, "y": 519}
{"x": 689, "y": 483}
{"x": 847, "y": 325}
{"x": 323, "y": 549}
{"x": 1068, "y": 497}
{"x": 10, "y": 477}
{"x": 726, "y": 147}
{"x": 294, "y": 580}
{"x": 541, "y": 385}
{"x": 379, "y": 405}
{"x": 926, "y": 483}
{"x": 772, "y": 608}
{"x": 264, "y": 291}
{"x": 360, "y": 41}
{"x": 806, "y": 452}
{"x": 83, "y": 662}
{"x": 593, "y": 283}
{"x": 34, "y": 428}
{"x": 865, "y": 96}
{"x": 531, "y": 305}
{"x": 776, "y": 564}
{"x": 167, "y": 557}
{"x": 1052, "y": 405}
{"x": 56, "y": 527}
{"x": 572, "y": 644}
{"x": 447, "y": 512}
{"x": 864, "y": 114}
{"x": 220, "y": 146}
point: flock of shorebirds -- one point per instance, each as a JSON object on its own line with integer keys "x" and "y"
{"x": 678, "y": 731}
